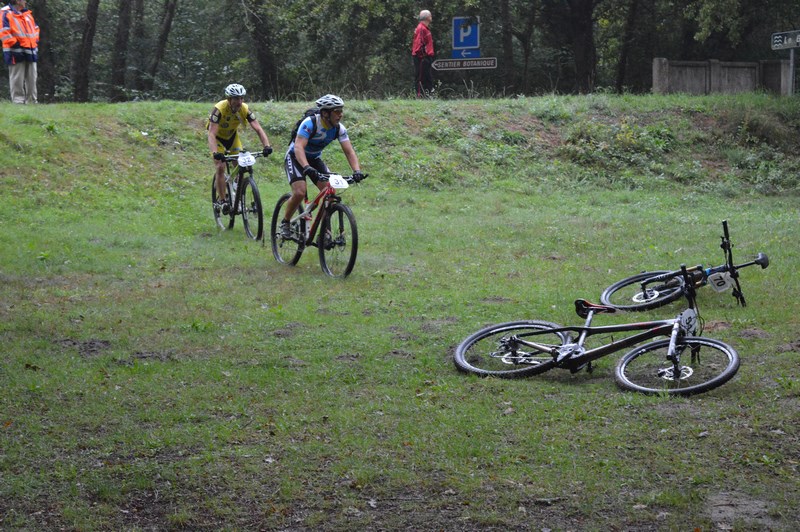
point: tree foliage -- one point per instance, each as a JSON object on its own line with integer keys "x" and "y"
{"x": 296, "y": 49}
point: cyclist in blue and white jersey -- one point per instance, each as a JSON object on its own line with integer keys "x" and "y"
{"x": 304, "y": 156}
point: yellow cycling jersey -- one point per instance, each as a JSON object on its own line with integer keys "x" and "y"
{"x": 229, "y": 121}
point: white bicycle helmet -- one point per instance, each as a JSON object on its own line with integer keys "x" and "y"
{"x": 330, "y": 101}
{"x": 234, "y": 89}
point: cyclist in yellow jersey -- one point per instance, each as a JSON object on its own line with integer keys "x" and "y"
{"x": 223, "y": 124}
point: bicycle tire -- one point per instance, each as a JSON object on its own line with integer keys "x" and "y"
{"x": 252, "y": 213}
{"x": 219, "y": 218}
{"x": 482, "y": 354}
{"x": 627, "y": 293}
{"x": 647, "y": 370}
{"x": 286, "y": 250}
{"x": 338, "y": 241}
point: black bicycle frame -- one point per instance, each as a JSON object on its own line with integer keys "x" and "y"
{"x": 231, "y": 161}
{"x": 653, "y": 329}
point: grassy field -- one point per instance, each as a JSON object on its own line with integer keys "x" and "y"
{"x": 160, "y": 374}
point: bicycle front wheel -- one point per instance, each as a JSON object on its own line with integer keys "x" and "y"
{"x": 223, "y": 221}
{"x": 252, "y": 214}
{"x": 627, "y": 294}
{"x": 286, "y": 250}
{"x": 338, "y": 241}
{"x": 703, "y": 364}
{"x": 496, "y": 351}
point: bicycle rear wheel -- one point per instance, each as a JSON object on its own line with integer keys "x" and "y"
{"x": 223, "y": 221}
{"x": 494, "y": 351}
{"x": 627, "y": 294}
{"x": 252, "y": 214}
{"x": 704, "y": 364}
{"x": 286, "y": 250}
{"x": 338, "y": 241}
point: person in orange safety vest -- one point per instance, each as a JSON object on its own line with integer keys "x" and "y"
{"x": 20, "y": 37}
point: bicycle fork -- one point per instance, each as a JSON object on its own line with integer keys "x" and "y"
{"x": 676, "y": 372}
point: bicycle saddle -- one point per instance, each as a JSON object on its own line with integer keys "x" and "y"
{"x": 582, "y": 307}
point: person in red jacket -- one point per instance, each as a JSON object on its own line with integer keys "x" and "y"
{"x": 422, "y": 53}
{"x": 20, "y": 37}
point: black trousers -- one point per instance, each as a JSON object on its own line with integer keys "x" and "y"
{"x": 423, "y": 78}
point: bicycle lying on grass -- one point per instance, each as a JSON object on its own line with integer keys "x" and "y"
{"x": 334, "y": 227}
{"x": 682, "y": 364}
{"x": 242, "y": 196}
{"x": 648, "y": 290}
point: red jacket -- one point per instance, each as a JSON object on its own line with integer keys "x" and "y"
{"x": 19, "y": 35}
{"x": 422, "y": 46}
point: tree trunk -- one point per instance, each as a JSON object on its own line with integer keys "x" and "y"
{"x": 582, "y": 22}
{"x": 508, "y": 46}
{"x": 83, "y": 57}
{"x": 46, "y": 66}
{"x": 261, "y": 33}
{"x": 161, "y": 43}
{"x": 525, "y": 38}
{"x": 627, "y": 39}
{"x": 138, "y": 37}
{"x": 119, "y": 56}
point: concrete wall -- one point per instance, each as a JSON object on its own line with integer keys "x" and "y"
{"x": 705, "y": 77}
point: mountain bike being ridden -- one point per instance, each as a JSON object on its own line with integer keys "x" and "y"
{"x": 304, "y": 156}
{"x": 325, "y": 222}
{"x": 242, "y": 191}
{"x": 223, "y": 125}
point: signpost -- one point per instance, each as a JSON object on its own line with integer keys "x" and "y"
{"x": 467, "y": 52}
{"x": 465, "y": 64}
{"x": 466, "y": 32}
{"x": 466, "y": 47}
{"x": 787, "y": 40}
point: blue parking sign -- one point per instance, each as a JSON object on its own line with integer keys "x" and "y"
{"x": 466, "y": 32}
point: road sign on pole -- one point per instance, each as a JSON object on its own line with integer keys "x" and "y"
{"x": 465, "y": 64}
{"x": 466, "y": 32}
{"x": 786, "y": 40}
{"x": 466, "y": 53}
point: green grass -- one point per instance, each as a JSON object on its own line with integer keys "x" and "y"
{"x": 159, "y": 373}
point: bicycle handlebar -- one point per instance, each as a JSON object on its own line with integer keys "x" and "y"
{"x": 232, "y": 158}
{"x": 761, "y": 259}
{"x": 349, "y": 178}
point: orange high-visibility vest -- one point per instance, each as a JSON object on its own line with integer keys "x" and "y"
{"x": 19, "y": 35}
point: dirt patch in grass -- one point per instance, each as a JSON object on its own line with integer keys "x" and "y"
{"x": 754, "y": 333}
{"x": 729, "y": 508}
{"x": 793, "y": 347}
{"x": 288, "y": 330}
{"x": 86, "y": 348}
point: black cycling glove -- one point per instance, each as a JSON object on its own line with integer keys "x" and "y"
{"x": 219, "y": 156}
{"x": 358, "y": 176}
{"x": 267, "y": 151}
{"x": 311, "y": 172}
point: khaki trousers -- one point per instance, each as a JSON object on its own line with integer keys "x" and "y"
{"x": 22, "y": 82}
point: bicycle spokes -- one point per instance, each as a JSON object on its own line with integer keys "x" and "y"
{"x": 509, "y": 353}
{"x": 669, "y": 374}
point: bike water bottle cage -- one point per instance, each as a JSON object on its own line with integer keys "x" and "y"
{"x": 583, "y": 307}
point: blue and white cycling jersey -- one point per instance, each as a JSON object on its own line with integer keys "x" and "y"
{"x": 321, "y": 139}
